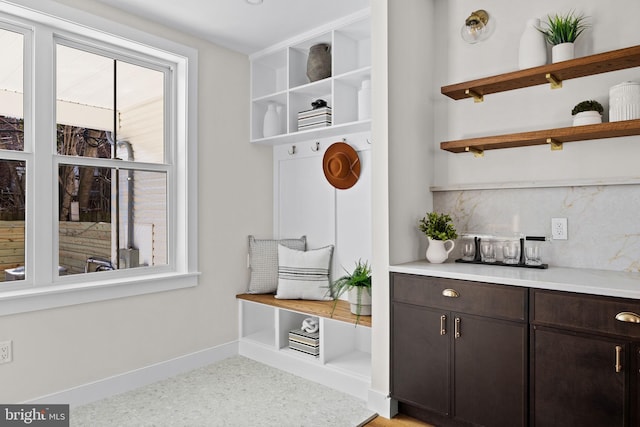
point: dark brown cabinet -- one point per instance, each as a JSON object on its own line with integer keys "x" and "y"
{"x": 584, "y": 360}
{"x": 459, "y": 351}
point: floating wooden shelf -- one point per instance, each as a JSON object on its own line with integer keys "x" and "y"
{"x": 543, "y": 137}
{"x": 580, "y": 67}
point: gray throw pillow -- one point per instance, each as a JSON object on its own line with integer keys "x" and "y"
{"x": 263, "y": 262}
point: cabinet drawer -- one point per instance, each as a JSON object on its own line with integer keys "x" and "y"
{"x": 592, "y": 313}
{"x": 484, "y": 299}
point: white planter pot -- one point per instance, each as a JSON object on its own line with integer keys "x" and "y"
{"x": 437, "y": 252}
{"x": 365, "y": 301}
{"x": 624, "y": 102}
{"x": 587, "y": 118}
{"x": 562, "y": 52}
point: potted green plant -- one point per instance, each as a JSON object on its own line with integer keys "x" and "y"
{"x": 357, "y": 284}
{"x": 587, "y": 113}
{"x": 439, "y": 229}
{"x": 561, "y": 32}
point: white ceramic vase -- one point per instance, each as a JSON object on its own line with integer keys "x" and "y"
{"x": 562, "y": 52}
{"x": 437, "y": 252}
{"x": 533, "y": 47}
{"x": 365, "y": 301}
{"x": 271, "y": 124}
{"x": 587, "y": 118}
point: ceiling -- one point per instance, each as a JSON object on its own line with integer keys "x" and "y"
{"x": 238, "y": 25}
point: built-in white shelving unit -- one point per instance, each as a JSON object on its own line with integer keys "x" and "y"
{"x": 278, "y": 75}
{"x": 344, "y": 362}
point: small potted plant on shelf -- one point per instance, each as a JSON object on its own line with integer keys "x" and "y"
{"x": 561, "y": 32}
{"x": 357, "y": 284}
{"x": 587, "y": 113}
{"x": 439, "y": 230}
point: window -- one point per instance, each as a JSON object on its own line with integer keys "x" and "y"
{"x": 97, "y": 161}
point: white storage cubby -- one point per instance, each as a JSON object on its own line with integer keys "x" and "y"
{"x": 278, "y": 75}
{"x": 345, "y": 349}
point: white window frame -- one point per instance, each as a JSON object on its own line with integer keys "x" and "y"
{"x": 43, "y": 288}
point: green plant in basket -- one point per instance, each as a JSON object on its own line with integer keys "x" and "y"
{"x": 438, "y": 226}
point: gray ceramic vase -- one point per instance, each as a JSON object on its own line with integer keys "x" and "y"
{"x": 319, "y": 62}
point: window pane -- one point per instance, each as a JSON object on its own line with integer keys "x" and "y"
{"x": 12, "y": 198}
{"x": 11, "y": 91}
{"x": 86, "y": 98}
{"x": 143, "y": 205}
{"x": 141, "y": 111}
{"x": 91, "y": 198}
{"x": 84, "y": 89}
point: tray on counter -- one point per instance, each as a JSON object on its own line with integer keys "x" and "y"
{"x": 502, "y": 264}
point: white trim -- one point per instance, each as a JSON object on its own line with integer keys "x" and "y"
{"x": 382, "y": 404}
{"x": 127, "y": 381}
{"x": 62, "y": 295}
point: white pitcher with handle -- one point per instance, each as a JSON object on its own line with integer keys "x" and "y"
{"x": 437, "y": 252}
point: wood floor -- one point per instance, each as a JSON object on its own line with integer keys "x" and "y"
{"x": 397, "y": 421}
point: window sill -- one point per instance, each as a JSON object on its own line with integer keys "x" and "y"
{"x": 61, "y": 295}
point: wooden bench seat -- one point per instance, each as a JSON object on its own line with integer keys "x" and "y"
{"x": 312, "y": 308}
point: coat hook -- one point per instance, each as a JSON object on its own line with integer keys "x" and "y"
{"x": 316, "y": 146}
{"x": 292, "y": 150}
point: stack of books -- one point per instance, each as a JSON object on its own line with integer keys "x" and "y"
{"x": 305, "y": 342}
{"x": 316, "y": 118}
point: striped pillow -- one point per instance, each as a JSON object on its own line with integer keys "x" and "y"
{"x": 304, "y": 275}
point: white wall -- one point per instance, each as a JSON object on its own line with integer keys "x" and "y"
{"x": 402, "y": 78}
{"x": 613, "y": 26}
{"x": 61, "y": 348}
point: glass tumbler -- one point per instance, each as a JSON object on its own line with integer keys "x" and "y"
{"x": 533, "y": 255}
{"x": 468, "y": 249}
{"x": 511, "y": 252}
{"x": 488, "y": 251}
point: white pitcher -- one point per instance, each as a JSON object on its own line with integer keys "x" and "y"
{"x": 437, "y": 253}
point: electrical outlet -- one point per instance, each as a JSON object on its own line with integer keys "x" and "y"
{"x": 559, "y": 229}
{"x": 5, "y": 351}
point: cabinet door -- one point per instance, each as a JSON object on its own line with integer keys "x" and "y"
{"x": 420, "y": 358}
{"x": 574, "y": 380}
{"x": 490, "y": 371}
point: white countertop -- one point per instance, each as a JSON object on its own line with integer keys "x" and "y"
{"x": 587, "y": 281}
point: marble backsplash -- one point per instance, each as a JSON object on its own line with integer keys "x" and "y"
{"x": 603, "y": 221}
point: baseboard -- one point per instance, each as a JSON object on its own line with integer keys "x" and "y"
{"x": 382, "y": 404}
{"x": 307, "y": 368}
{"x": 127, "y": 381}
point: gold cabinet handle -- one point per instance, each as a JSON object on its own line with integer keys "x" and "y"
{"x": 627, "y": 316}
{"x": 450, "y": 293}
{"x": 457, "y": 327}
{"x": 618, "y": 358}
{"x": 443, "y": 324}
